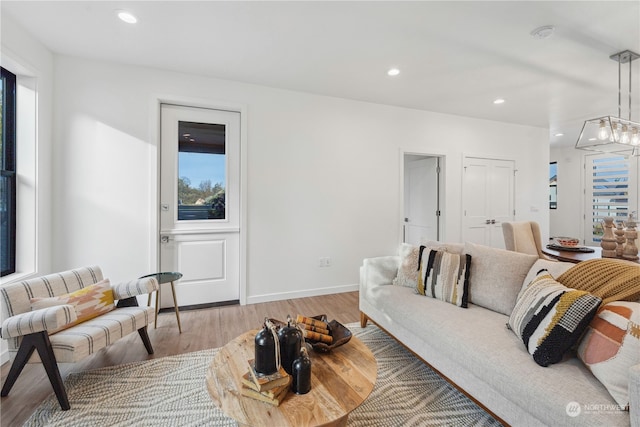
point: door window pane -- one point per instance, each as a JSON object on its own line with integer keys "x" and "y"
{"x": 201, "y": 171}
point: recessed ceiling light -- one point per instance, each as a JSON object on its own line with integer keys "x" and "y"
{"x": 559, "y": 134}
{"x": 542, "y": 32}
{"x": 499, "y": 101}
{"x": 127, "y": 17}
{"x": 393, "y": 72}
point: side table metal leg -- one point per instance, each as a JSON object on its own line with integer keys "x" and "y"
{"x": 175, "y": 304}
{"x": 155, "y": 323}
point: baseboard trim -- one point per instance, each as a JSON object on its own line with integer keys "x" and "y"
{"x": 301, "y": 294}
{"x": 4, "y": 357}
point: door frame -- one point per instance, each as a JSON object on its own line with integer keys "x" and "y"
{"x": 154, "y": 183}
{"x": 441, "y": 191}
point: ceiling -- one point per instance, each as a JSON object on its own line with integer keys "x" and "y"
{"x": 455, "y": 57}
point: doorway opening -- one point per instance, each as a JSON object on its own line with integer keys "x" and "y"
{"x": 422, "y": 188}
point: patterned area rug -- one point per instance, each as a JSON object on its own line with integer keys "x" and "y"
{"x": 171, "y": 391}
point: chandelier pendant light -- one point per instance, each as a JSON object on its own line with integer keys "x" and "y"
{"x": 611, "y": 134}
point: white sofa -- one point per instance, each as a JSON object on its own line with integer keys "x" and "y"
{"x": 474, "y": 350}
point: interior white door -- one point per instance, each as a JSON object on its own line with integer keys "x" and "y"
{"x": 200, "y": 203}
{"x": 421, "y": 199}
{"x": 488, "y": 199}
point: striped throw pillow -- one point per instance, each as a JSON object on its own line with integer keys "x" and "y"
{"x": 611, "y": 345}
{"x": 550, "y": 318}
{"x": 89, "y": 302}
{"x": 445, "y": 276}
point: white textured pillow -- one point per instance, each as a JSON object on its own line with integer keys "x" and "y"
{"x": 408, "y": 269}
{"x": 496, "y": 276}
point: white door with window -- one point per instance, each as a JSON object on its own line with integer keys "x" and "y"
{"x": 611, "y": 182}
{"x": 421, "y": 207}
{"x": 200, "y": 203}
{"x": 488, "y": 199}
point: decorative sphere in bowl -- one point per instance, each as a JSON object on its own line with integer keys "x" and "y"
{"x": 567, "y": 241}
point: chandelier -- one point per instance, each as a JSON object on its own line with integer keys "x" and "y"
{"x": 610, "y": 134}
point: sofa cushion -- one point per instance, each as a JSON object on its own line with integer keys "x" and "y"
{"x": 550, "y": 318}
{"x": 611, "y": 345}
{"x": 89, "y": 302}
{"x": 496, "y": 276}
{"x": 444, "y": 276}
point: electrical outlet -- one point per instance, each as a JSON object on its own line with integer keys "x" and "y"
{"x": 324, "y": 262}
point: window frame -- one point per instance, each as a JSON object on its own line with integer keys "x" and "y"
{"x": 8, "y": 169}
{"x": 553, "y": 188}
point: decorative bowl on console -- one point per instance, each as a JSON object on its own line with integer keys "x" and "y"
{"x": 569, "y": 242}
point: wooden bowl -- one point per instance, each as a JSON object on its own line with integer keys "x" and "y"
{"x": 341, "y": 335}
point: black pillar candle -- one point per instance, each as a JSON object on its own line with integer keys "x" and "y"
{"x": 301, "y": 373}
{"x": 265, "y": 352}
{"x": 290, "y": 339}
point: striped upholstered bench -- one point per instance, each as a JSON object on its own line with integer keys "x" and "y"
{"x": 67, "y": 317}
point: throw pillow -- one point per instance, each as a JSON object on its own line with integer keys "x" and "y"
{"x": 496, "y": 276}
{"x": 611, "y": 345}
{"x": 408, "y": 270}
{"x": 445, "y": 276}
{"x": 550, "y": 318}
{"x": 410, "y": 260}
{"x": 89, "y": 302}
{"x": 609, "y": 279}
{"x": 454, "y": 248}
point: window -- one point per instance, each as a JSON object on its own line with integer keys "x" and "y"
{"x": 8, "y": 174}
{"x": 553, "y": 185}
{"x": 201, "y": 171}
{"x": 610, "y": 191}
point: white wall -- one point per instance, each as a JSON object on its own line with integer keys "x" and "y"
{"x": 323, "y": 175}
{"x": 567, "y": 219}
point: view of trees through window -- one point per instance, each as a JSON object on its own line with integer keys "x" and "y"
{"x": 212, "y": 197}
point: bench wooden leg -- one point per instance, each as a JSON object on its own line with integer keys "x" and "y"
{"x": 38, "y": 341}
{"x": 145, "y": 339}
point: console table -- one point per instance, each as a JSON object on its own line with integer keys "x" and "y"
{"x": 576, "y": 257}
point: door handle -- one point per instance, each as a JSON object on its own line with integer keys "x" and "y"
{"x": 164, "y": 239}
{"x": 488, "y": 221}
{"x": 493, "y": 221}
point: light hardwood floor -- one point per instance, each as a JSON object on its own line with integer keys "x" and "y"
{"x": 201, "y": 329}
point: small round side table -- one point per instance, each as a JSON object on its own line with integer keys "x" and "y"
{"x": 165, "y": 277}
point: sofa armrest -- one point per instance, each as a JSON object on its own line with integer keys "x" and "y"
{"x": 634, "y": 395}
{"x": 378, "y": 271}
{"x": 44, "y": 319}
{"x": 134, "y": 288}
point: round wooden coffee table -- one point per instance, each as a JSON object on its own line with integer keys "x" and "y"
{"x": 340, "y": 381}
